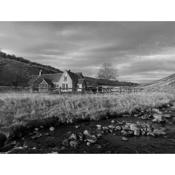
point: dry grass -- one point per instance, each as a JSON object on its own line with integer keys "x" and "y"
{"x": 19, "y": 107}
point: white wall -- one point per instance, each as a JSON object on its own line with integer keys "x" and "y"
{"x": 69, "y": 82}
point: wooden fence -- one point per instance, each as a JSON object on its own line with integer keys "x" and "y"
{"x": 91, "y": 90}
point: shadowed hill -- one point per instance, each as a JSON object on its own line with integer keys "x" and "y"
{"x": 17, "y": 71}
{"x": 164, "y": 84}
{"x": 170, "y": 80}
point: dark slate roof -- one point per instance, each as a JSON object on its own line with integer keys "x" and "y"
{"x": 91, "y": 81}
{"x": 81, "y": 80}
{"x": 49, "y": 82}
{"x": 39, "y": 80}
{"x": 79, "y": 74}
{"x": 99, "y": 82}
{"x": 52, "y": 77}
{"x": 75, "y": 76}
{"x": 49, "y": 77}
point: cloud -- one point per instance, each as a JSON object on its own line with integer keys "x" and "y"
{"x": 141, "y": 51}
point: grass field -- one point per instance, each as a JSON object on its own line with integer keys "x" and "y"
{"x": 21, "y": 108}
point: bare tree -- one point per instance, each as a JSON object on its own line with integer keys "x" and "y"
{"x": 107, "y": 71}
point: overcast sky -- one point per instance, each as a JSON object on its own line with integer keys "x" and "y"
{"x": 141, "y": 51}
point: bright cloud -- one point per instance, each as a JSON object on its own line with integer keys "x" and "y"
{"x": 141, "y": 51}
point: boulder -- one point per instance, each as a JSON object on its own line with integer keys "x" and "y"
{"x": 167, "y": 115}
{"x": 105, "y": 128}
{"x": 73, "y": 137}
{"x": 98, "y": 146}
{"x": 111, "y": 126}
{"x": 92, "y": 139}
{"x": 137, "y": 132}
{"x": 99, "y": 135}
{"x": 158, "y": 132}
{"x": 118, "y": 128}
{"x": 146, "y": 116}
{"x": 65, "y": 142}
{"x": 73, "y": 143}
{"x": 112, "y": 121}
{"x": 51, "y": 128}
{"x": 77, "y": 126}
{"x": 124, "y": 139}
{"x": 124, "y": 132}
{"x": 36, "y": 129}
{"x": 157, "y": 118}
{"x": 86, "y": 133}
{"x": 99, "y": 127}
{"x": 157, "y": 111}
{"x": 80, "y": 136}
{"x": 133, "y": 127}
{"x": 88, "y": 143}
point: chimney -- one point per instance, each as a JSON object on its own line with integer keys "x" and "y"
{"x": 40, "y": 73}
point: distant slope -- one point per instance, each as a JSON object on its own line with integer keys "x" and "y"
{"x": 16, "y": 71}
{"x": 162, "y": 84}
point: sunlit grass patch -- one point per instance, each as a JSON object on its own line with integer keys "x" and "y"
{"x": 19, "y": 107}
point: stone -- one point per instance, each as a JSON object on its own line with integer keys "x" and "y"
{"x": 124, "y": 139}
{"x": 73, "y": 137}
{"x": 118, "y": 128}
{"x": 77, "y": 126}
{"x": 88, "y": 143}
{"x": 3, "y": 139}
{"x": 86, "y": 133}
{"x": 137, "y": 132}
{"x": 36, "y": 136}
{"x": 158, "y": 132}
{"x": 105, "y": 128}
{"x": 123, "y": 132}
{"x": 92, "y": 139}
{"x": 99, "y": 146}
{"x": 80, "y": 136}
{"x": 36, "y": 129}
{"x": 73, "y": 143}
{"x": 99, "y": 135}
{"x": 65, "y": 142}
{"x": 99, "y": 127}
{"x": 51, "y": 128}
{"x": 155, "y": 110}
{"x": 157, "y": 118}
{"x": 62, "y": 148}
{"x": 111, "y": 126}
{"x": 54, "y": 153}
{"x": 112, "y": 121}
{"x": 126, "y": 126}
{"x": 167, "y": 115}
{"x": 133, "y": 127}
{"x": 145, "y": 116}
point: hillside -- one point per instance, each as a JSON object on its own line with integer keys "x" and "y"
{"x": 162, "y": 84}
{"x": 16, "y": 71}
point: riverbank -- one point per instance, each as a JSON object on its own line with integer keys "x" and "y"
{"x": 148, "y": 131}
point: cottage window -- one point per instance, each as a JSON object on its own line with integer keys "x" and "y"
{"x": 65, "y": 78}
{"x": 63, "y": 86}
{"x": 66, "y": 86}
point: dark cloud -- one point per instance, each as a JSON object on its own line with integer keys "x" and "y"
{"x": 141, "y": 51}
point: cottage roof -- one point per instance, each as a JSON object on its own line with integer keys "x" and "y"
{"x": 99, "y": 82}
{"x": 52, "y": 77}
{"x": 75, "y": 76}
{"x": 48, "y": 81}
